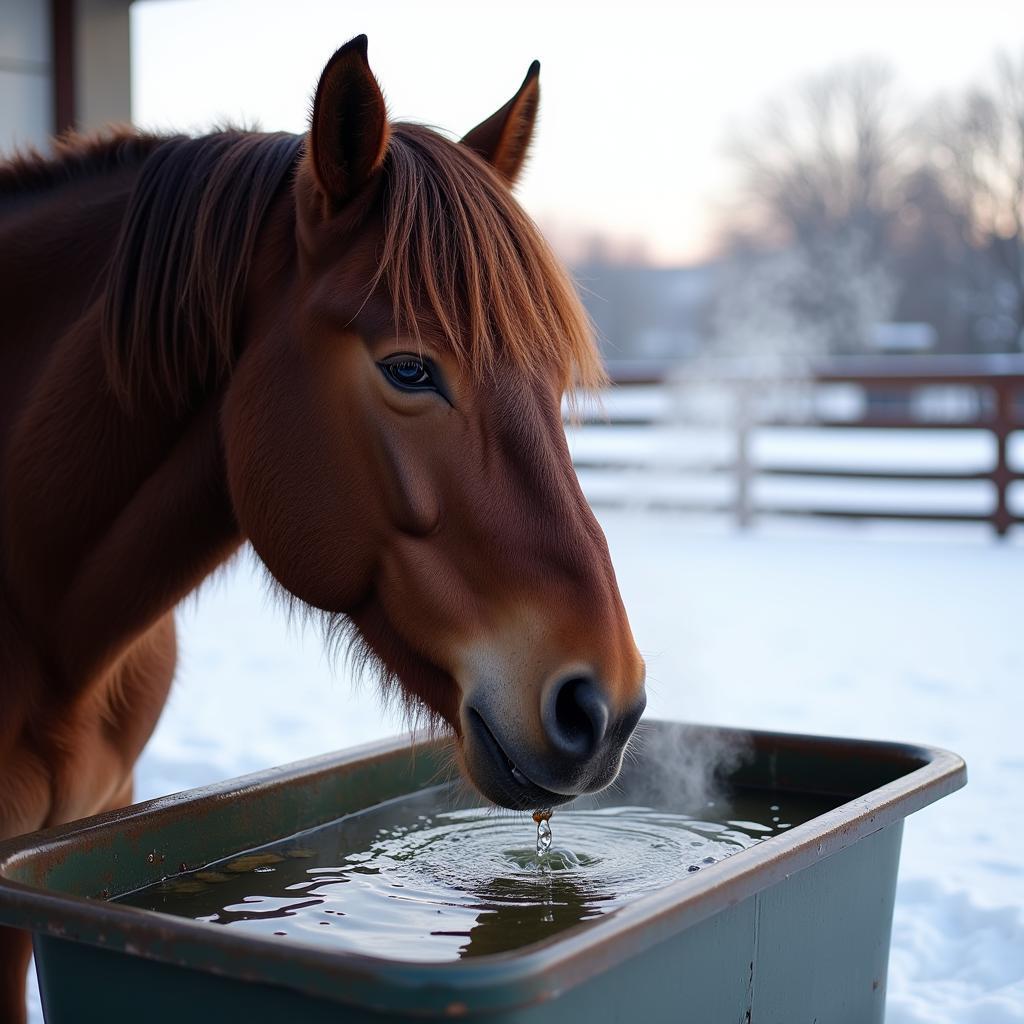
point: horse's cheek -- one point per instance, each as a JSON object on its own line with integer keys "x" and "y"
{"x": 294, "y": 487}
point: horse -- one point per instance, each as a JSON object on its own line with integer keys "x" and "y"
{"x": 348, "y": 348}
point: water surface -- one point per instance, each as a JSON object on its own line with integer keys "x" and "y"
{"x": 427, "y": 878}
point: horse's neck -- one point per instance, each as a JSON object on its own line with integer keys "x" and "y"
{"x": 53, "y": 247}
{"x": 110, "y": 518}
{"x": 116, "y": 518}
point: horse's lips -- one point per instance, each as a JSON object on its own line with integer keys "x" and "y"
{"x": 509, "y": 763}
{"x": 522, "y": 793}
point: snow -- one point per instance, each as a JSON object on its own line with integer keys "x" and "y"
{"x": 910, "y": 633}
{"x": 666, "y": 445}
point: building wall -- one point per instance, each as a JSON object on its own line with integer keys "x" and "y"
{"x": 103, "y": 72}
{"x": 26, "y": 74}
{"x": 100, "y": 67}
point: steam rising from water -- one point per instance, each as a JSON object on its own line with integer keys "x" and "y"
{"x": 684, "y": 767}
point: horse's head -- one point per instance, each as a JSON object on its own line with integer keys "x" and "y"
{"x": 396, "y": 451}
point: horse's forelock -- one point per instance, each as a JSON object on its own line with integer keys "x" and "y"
{"x": 458, "y": 246}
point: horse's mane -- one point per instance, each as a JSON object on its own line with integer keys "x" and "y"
{"x": 177, "y": 277}
{"x": 73, "y": 157}
{"x": 457, "y": 246}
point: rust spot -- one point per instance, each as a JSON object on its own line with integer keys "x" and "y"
{"x": 539, "y": 816}
{"x": 154, "y": 857}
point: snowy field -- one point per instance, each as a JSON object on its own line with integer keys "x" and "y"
{"x": 897, "y": 633}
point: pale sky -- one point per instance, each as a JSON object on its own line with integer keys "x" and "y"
{"x": 637, "y": 97}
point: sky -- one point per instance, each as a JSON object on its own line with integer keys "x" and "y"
{"x": 638, "y": 98}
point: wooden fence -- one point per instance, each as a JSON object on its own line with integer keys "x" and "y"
{"x": 989, "y": 389}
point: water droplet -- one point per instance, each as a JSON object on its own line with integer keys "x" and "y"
{"x": 543, "y": 837}
{"x": 542, "y": 817}
{"x": 693, "y": 867}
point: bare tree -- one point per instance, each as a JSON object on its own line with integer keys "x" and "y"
{"x": 821, "y": 178}
{"x": 976, "y": 145}
{"x": 823, "y": 157}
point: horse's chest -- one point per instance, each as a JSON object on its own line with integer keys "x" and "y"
{"x": 70, "y": 762}
{"x": 48, "y": 783}
{"x": 25, "y": 794}
{"x": 86, "y": 777}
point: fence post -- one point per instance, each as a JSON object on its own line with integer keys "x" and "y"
{"x": 1001, "y": 476}
{"x": 743, "y": 508}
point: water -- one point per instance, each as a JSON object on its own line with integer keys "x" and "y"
{"x": 424, "y": 878}
{"x": 544, "y": 837}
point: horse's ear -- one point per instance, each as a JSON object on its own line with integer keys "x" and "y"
{"x": 348, "y": 131}
{"x": 503, "y": 140}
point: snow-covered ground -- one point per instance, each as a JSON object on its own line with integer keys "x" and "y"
{"x": 901, "y": 633}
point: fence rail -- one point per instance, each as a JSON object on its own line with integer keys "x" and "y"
{"x": 888, "y": 387}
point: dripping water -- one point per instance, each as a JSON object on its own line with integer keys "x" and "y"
{"x": 543, "y": 819}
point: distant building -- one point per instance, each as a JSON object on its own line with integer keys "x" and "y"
{"x": 643, "y": 312}
{"x": 63, "y": 64}
{"x": 912, "y": 336}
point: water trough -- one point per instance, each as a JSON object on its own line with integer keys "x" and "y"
{"x": 795, "y": 928}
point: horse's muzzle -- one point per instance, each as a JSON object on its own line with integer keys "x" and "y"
{"x": 581, "y": 750}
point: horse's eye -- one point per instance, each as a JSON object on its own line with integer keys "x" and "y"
{"x": 408, "y": 373}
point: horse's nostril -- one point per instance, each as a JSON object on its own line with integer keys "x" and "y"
{"x": 576, "y": 716}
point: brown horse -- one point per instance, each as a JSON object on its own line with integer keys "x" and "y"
{"x": 348, "y": 348}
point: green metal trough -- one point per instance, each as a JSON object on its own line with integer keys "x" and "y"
{"x": 792, "y": 931}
